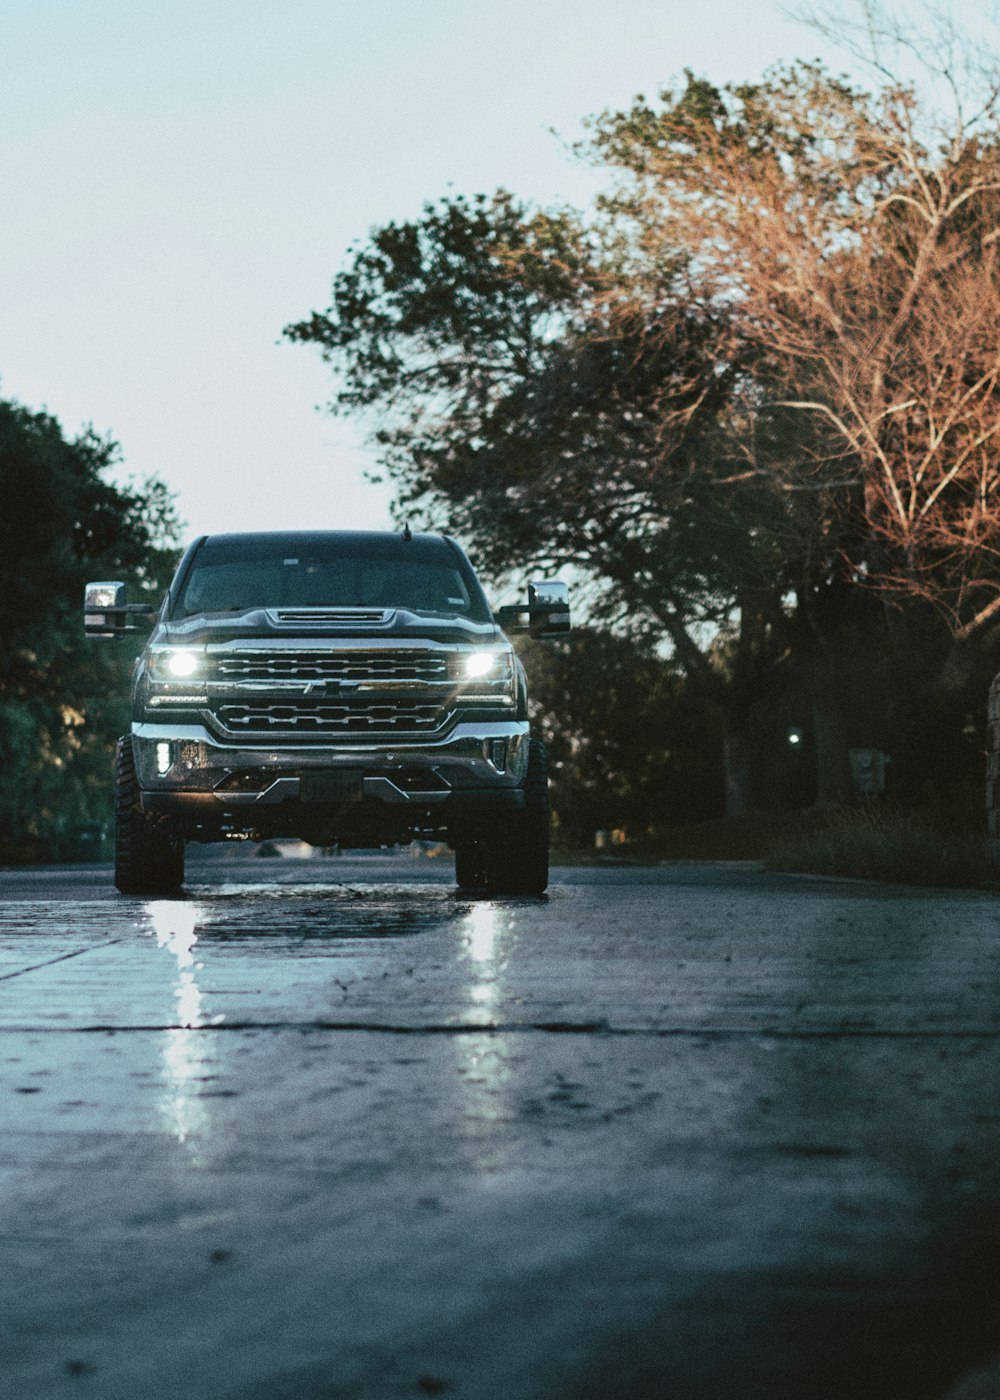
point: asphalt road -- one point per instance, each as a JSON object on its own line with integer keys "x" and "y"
{"x": 327, "y": 1129}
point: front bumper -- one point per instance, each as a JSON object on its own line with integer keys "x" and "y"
{"x": 183, "y": 769}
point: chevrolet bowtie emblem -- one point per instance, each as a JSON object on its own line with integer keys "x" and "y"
{"x": 330, "y": 687}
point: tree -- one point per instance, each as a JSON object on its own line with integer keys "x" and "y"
{"x": 753, "y": 397}
{"x": 508, "y": 406}
{"x": 63, "y": 701}
{"x": 528, "y": 399}
{"x": 853, "y": 242}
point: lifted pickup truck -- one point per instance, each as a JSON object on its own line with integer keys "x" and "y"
{"x": 343, "y": 687}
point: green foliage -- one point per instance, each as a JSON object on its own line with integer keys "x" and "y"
{"x": 456, "y": 304}
{"x": 523, "y": 406}
{"x": 64, "y": 698}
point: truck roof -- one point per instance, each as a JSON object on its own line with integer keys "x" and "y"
{"x": 388, "y": 543}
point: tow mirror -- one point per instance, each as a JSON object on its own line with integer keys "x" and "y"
{"x": 547, "y": 613}
{"x": 106, "y": 613}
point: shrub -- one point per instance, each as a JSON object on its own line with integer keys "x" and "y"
{"x": 879, "y": 845}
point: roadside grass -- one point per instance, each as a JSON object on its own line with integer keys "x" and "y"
{"x": 875, "y": 843}
{"x": 897, "y": 847}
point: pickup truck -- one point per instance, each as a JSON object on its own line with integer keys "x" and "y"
{"x": 349, "y": 688}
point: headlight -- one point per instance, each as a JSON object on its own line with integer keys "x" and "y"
{"x": 488, "y": 677}
{"x": 182, "y": 663}
{"x": 480, "y": 663}
{"x": 169, "y": 664}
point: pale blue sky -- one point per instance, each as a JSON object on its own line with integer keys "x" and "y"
{"x": 182, "y": 178}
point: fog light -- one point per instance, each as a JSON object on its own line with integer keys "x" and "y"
{"x": 163, "y": 758}
{"x": 498, "y": 754}
{"x": 192, "y": 754}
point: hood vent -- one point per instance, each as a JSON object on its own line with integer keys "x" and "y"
{"x": 334, "y": 617}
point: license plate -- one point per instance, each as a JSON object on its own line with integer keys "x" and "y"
{"x": 332, "y": 787}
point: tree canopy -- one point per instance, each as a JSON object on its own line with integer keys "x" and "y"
{"x": 752, "y": 394}
{"x": 63, "y": 700}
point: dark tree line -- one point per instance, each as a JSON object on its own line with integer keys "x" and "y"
{"x": 63, "y": 700}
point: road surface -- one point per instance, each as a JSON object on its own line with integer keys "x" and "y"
{"x": 326, "y": 1129}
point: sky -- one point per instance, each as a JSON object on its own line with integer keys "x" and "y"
{"x": 183, "y": 178}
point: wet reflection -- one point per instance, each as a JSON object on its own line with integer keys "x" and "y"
{"x": 482, "y": 926}
{"x": 480, "y": 930}
{"x": 175, "y": 925}
{"x": 482, "y": 1062}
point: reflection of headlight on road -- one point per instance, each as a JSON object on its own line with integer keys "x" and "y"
{"x": 480, "y": 663}
{"x": 182, "y": 663}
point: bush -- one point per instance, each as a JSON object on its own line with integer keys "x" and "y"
{"x": 879, "y": 845}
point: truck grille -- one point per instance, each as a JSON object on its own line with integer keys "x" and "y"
{"x": 318, "y": 666}
{"x": 360, "y": 716}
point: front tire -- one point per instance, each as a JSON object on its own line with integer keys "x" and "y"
{"x": 470, "y": 865}
{"x": 149, "y": 851}
{"x": 519, "y": 852}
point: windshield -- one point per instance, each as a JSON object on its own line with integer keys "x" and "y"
{"x": 237, "y": 573}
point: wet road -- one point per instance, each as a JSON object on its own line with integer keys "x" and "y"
{"x": 327, "y": 1129}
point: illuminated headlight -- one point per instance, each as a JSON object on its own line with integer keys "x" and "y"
{"x": 489, "y": 676}
{"x": 163, "y": 758}
{"x": 480, "y": 663}
{"x": 182, "y": 663}
{"x": 174, "y": 663}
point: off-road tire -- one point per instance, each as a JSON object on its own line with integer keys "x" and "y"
{"x": 518, "y": 861}
{"x": 470, "y": 865}
{"x": 149, "y": 851}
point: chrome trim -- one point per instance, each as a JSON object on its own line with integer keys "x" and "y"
{"x": 335, "y": 671}
{"x": 462, "y": 746}
{"x": 294, "y": 617}
{"x": 329, "y": 716}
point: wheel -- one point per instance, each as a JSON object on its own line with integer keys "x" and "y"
{"x": 518, "y": 860}
{"x": 470, "y": 865}
{"x": 149, "y": 852}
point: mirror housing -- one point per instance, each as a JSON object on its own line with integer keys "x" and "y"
{"x": 547, "y": 614}
{"x": 106, "y": 613}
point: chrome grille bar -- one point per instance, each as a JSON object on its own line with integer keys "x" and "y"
{"x": 313, "y": 665}
{"x": 348, "y": 717}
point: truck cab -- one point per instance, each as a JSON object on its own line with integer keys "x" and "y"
{"x": 344, "y": 687}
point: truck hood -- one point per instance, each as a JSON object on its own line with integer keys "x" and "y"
{"x": 204, "y": 628}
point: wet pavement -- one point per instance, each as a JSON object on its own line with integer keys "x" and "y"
{"x": 328, "y": 1129}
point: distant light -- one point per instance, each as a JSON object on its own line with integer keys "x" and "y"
{"x": 795, "y": 736}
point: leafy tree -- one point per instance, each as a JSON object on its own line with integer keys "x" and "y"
{"x": 754, "y": 397}
{"x": 63, "y": 701}
{"x": 527, "y": 400}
